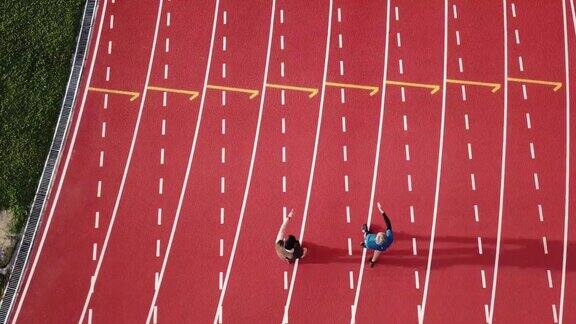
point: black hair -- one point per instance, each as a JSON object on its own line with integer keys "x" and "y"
{"x": 290, "y": 242}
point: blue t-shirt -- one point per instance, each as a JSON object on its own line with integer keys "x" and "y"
{"x": 371, "y": 244}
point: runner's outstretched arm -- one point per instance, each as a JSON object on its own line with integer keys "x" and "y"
{"x": 386, "y": 219}
{"x": 280, "y": 235}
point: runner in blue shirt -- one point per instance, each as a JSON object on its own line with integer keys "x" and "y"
{"x": 380, "y": 241}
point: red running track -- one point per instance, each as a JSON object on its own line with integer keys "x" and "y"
{"x": 165, "y": 208}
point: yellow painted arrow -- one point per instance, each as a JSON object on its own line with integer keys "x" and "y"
{"x": 193, "y": 94}
{"x": 252, "y": 92}
{"x": 495, "y": 86}
{"x": 557, "y": 85}
{"x": 373, "y": 89}
{"x": 133, "y": 95}
{"x": 433, "y": 87}
{"x": 311, "y": 91}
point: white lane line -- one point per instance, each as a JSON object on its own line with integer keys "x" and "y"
{"x": 486, "y": 313}
{"x": 156, "y": 279}
{"x": 520, "y": 63}
{"x": 224, "y": 43}
{"x": 346, "y": 188}
{"x": 155, "y": 315}
{"x": 532, "y": 153}
{"x": 223, "y": 155}
{"x": 223, "y": 70}
{"x": 313, "y": 164}
{"x": 409, "y": 177}
{"x": 348, "y": 214}
{"x": 94, "y": 251}
{"x": 524, "y": 92}
{"x": 458, "y": 37}
{"x": 469, "y": 151}
{"x": 476, "y": 214}
{"x": 163, "y": 128}
{"x": 536, "y": 182}
{"x": 407, "y": 152}
{"x": 223, "y": 128}
{"x": 342, "y": 96}
{"x": 466, "y": 122}
{"x": 549, "y": 275}
{"x": 479, "y": 245}
{"x": 157, "y": 248}
{"x": 396, "y": 13}
{"x": 107, "y": 73}
{"x": 345, "y": 153}
{"x": 422, "y": 310}
{"x": 343, "y": 124}
{"x": 109, "y": 47}
{"x": 555, "y": 313}
{"x": 400, "y": 66}
{"x": 540, "y": 213}
{"x": 99, "y": 190}
{"x": 222, "y": 184}
{"x": 417, "y": 279}
{"x": 545, "y": 244}
{"x": 282, "y": 69}
{"x": 403, "y": 94}
{"x": 97, "y": 220}
{"x": 517, "y": 35}
{"x": 223, "y": 98}
{"x": 283, "y": 97}
{"x": 460, "y": 65}
{"x": 90, "y": 316}
{"x": 341, "y": 67}
{"x": 285, "y": 280}
{"x": 483, "y": 275}
{"x": 222, "y": 215}
{"x": 101, "y": 161}
{"x": 103, "y": 132}
{"x": 225, "y": 17}
{"x": 411, "y": 214}
{"x": 528, "y": 121}
{"x": 339, "y": 40}
{"x": 221, "y": 247}
{"x": 339, "y": 15}
{"x": 168, "y": 19}
{"x": 414, "y": 249}
{"x": 161, "y": 156}
{"x": 349, "y": 246}
{"x": 283, "y": 125}
{"x": 165, "y": 71}
{"x": 454, "y": 11}
{"x": 463, "y": 90}
{"x": 405, "y": 121}
{"x": 473, "y": 181}
{"x": 283, "y": 183}
{"x": 159, "y": 217}
{"x": 111, "y": 22}
{"x": 398, "y": 40}
{"x": 281, "y": 16}
{"x": 351, "y": 275}
{"x": 105, "y": 101}
{"x": 513, "y": 10}
{"x": 161, "y": 186}
{"x": 220, "y": 279}
{"x": 283, "y": 154}
{"x": 282, "y": 42}
{"x": 164, "y": 99}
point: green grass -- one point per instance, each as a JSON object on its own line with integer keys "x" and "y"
{"x": 37, "y": 40}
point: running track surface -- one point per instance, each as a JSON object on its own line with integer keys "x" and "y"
{"x": 198, "y": 126}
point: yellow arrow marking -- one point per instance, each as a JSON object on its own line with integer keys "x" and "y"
{"x": 495, "y": 86}
{"x": 433, "y": 87}
{"x": 193, "y": 94}
{"x": 251, "y": 92}
{"x": 557, "y": 85}
{"x": 312, "y": 91}
{"x": 133, "y": 95}
{"x": 373, "y": 90}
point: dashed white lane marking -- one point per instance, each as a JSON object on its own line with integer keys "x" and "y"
{"x": 164, "y": 99}
{"x": 549, "y": 275}
{"x": 417, "y": 280}
{"x": 476, "y": 214}
{"x": 107, "y": 73}
{"x": 545, "y": 244}
{"x": 346, "y": 188}
{"x": 284, "y": 213}
{"x": 536, "y": 182}
{"x": 348, "y": 214}
{"x": 479, "y": 245}
{"x": 414, "y": 249}
{"x": 458, "y": 37}
{"x": 407, "y": 152}
{"x": 281, "y": 16}
{"x": 283, "y": 183}
{"x": 168, "y": 19}
{"x": 159, "y": 217}
{"x": 466, "y": 122}
{"x": 339, "y": 15}
{"x": 157, "y": 248}
{"x": 554, "y": 313}
{"x": 400, "y": 66}
{"x": 165, "y": 71}
{"x": 101, "y": 162}
{"x": 469, "y": 151}
{"x": 221, "y": 247}
{"x": 282, "y": 69}
{"x": 463, "y": 89}
{"x": 513, "y": 10}
{"x": 103, "y": 133}
{"x": 96, "y": 220}
{"x": 111, "y": 21}
{"x": 483, "y": 275}
{"x": 460, "y": 65}
{"x": 223, "y": 155}
{"x": 339, "y": 40}
{"x": 341, "y": 67}
{"x": 528, "y": 121}
{"x": 167, "y": 45}
{"x": 161, "y": 186}
{"x": 351, "y": 273}
{"x": 349, "y": 246}
{"x": 281, "y": 42}
{"x": 486, "y": 313}
{"x": 163, "y": 131}
{"x": 155, "y": 315}
{"x": 225, "y": 17}
{"x": 224, "y": 43}
{"x": 454, "y": 11}
{"x": 532, "y": 153}
{"x": 540, "y": 213}
{"x": 517, "y": 35}
{"x": 409, "y": 182}
{"x": 94, "y": 251}
{"x": 343, "y": 124}
{"x": 283, "y": 125}
{"x": 405, "y": 120}
{"x": 285, "y": 280}
{"x": 398, "y": 40}
{"x": 105, "y": 101}
{"x": 224, "y": 70}
{"x": 220, "y": 279}
{"x": 156, "y": 280}
{"x": 283, "y": 97}
{"x": 222, "y": 184}
{"x": 473, "y": 181}
{"x": 223, "y": 130}
{"x": 90, "y": 316}
{"x": 221, "y": 215}
{"x": 342, "y": 95}
{"x": 396, "y": 14}
{"x": 403, "y": 94}
{"x": 283, "y": 154}
{"x": 520, "y": 64}
{"x": 524, "y": 92}
{"x": 345, "y": 153}
{"x": 109, "y": 47}
{"x": 223, "y": 98}
{"x": 99, "y": 190}
{"x": 411, "y": 214}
